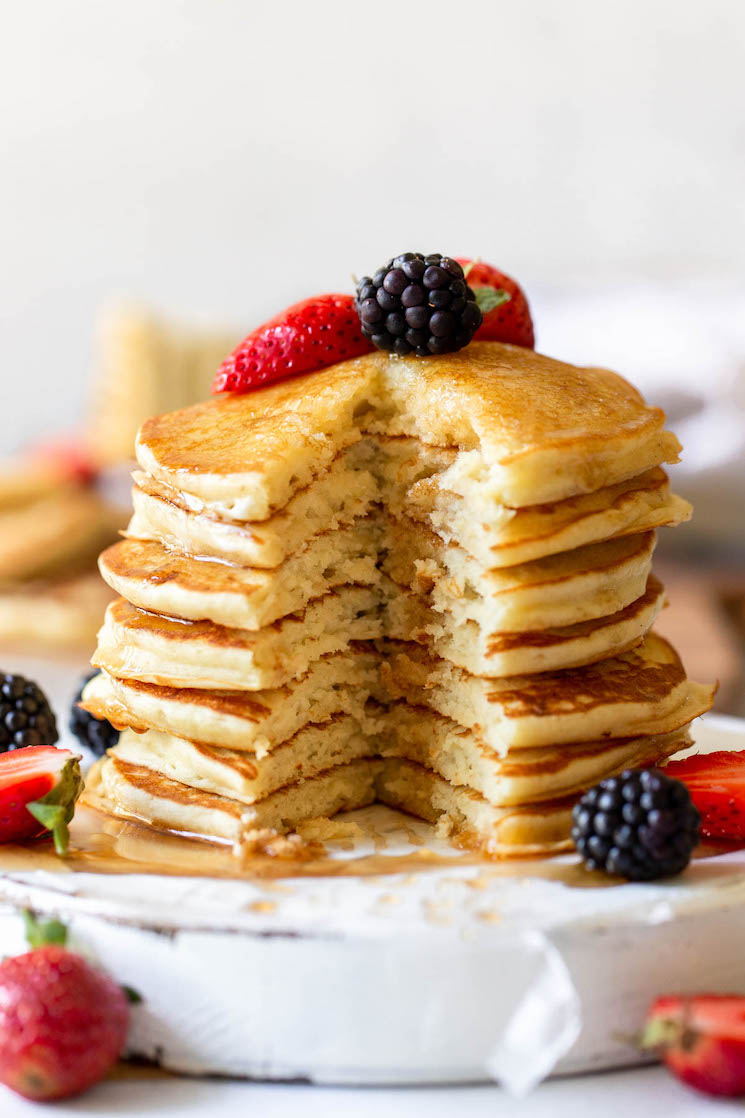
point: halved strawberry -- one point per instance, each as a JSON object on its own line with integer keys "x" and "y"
{"x": 701, "y": 1040}
{"x": 307, "y": 336}
{"x": 716, "y": 782}
{"x": 507, "y": 317}
{"x": 39, "y": 786}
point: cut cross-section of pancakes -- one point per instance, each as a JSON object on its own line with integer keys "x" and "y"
{"x": 426, "y": 582}
{"x": 255, "y": 721}
{"x": 641, "y": 692}
{"x": 559, "y": 590}
{"x": 141, "y": 793}
{"x": 134, "y": 644}
{"x": 407, "y": 617}
{"x": 313, "y": 750}
{"x": 150, "y": 576}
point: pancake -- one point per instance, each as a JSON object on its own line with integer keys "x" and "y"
{"x": 524, "y": 831}
{"x": 60, "y": 530}
{"x": 403, "y": 474}
{"x": 408, "y": 618}
{"x": 584, "y": 429}
{"x": 643, "y": 691}
{"x": 502, "y": 537}
{"x": 249, "y": 454}
{"x": 23, "y": 481}
{"x": 255, "y": 721}
{"x": 461, "y": 757}
{"x": 60, "y": 613}
{"x": 153, "y": 578}
{"x": 559, "y": 590}
{"x": 238, "y": 775}
{"x": 336, "y": 499}
{"x": 133, "y": 644}
{"x": 137, "y": 793}
{"x": 412, "y": 733}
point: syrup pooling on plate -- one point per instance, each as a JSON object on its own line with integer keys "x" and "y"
{"x": 100, "y": 843}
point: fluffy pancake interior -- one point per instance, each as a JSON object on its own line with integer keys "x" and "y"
{"x": 241, "y": 776}
{"x": 151, "y": 576}
{"x": 254, "y": 721}
{"x": 146, "y": 796}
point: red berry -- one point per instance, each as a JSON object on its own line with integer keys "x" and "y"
{"x": 63, "y": 1023}
{"x": 39, "y": 786}
{"x": 510, "y": 321}
{"x": 67, "y": 459}
{"x": 307, "y": 336}
{"x": 716, "y": 782}
{"x": 701, "y": 1040}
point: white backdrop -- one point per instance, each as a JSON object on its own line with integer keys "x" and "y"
{"x": 223, "y": 158}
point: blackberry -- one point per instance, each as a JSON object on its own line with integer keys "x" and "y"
{"x": 418, "y": 304}
{"x": 97, "y": 734}
{"x": 639, "y": 825}
{"x": 26, "y": 717}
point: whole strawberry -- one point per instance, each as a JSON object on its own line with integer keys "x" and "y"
{"x": 507, "y": 316}
{"x": 701, "y": 1040}
{"x": 307, "y": 336}
{"x": 63, "y": 1023}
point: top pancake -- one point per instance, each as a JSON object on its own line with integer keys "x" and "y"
{"x": 530, "y": 429}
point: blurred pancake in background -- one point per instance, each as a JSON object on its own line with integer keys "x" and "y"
{"x": 53, "y": 523}
{"x": 147, "y": 365}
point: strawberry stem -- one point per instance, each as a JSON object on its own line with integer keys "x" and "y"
{"x": 487, "y": 298}
{"x": 39, "y": 933}
{"x": 661, "y": 1033}
{"x": 55, "y": 810}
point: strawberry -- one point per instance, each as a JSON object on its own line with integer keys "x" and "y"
{"x": 506, "y": 316}
{"x": 701, "y": 1040}
{"x": 67, "y": 459}
{"x": 63, "y": 1022}
{"x": 716, "y": 782}
{"x": 307, "y": 336}
{"x": 39, "y": 786}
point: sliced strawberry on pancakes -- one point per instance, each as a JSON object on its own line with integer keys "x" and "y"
{"x": 506, "y": 314}
{"x": 716, "y": 782}
{"x": 39, "y": 786}
{"x": 307, "y": 336}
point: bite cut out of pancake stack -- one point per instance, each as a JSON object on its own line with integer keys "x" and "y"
{"x": 424, "y": 582}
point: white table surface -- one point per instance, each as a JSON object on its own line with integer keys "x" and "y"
{"x": 617, "y": 1095}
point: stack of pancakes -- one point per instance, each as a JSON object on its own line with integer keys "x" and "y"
{"x": 424, "y": 582}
